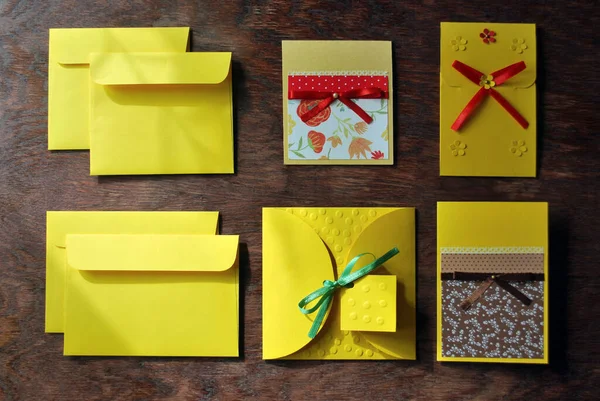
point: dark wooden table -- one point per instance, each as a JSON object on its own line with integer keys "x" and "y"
{"x": 33, "y": 180}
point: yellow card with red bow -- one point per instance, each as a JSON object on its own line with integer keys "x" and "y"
{"x": 488, "y": 99}
{"x": 337, "y": 102}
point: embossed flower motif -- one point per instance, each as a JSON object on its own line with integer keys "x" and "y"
{"x": 518, "y": 148}
{"x": 458, "y": 148}
{"x": 291, "y": 124}
{"x": 377, "y": 155}
{"x": 306, "y": 105}
{"x": 487, "y": 82}
{"x": 361, "y": 127}
{"x": 518, "y": 45}
{"x": 488, "y": 36}
{"x": 458, "y": 43}
{"x": 316, "y": 140}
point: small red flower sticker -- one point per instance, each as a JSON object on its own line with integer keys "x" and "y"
{"x": 306, "y": 105}
{"x": 316, "y": 140}
{"x": 488, "y": 36}
{"x": 377, "y": 155}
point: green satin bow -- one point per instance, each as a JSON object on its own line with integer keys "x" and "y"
{"x": 345, "y": 280}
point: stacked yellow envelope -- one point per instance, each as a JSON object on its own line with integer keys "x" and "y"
{"x": 302, "y": 247}
{"x": 140, "y": 102}
{"x": 488, "y": 99}
{"x": 69, "y": 73}
{"x": 142, "y": 283}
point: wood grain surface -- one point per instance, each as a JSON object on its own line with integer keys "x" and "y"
{"x": 34, "y": 180}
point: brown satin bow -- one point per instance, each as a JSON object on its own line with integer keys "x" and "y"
{"x": 502, "y": 280}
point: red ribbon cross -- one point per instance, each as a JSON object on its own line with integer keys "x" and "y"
{"x": 497, "y": 78}
{"x": 344, "y": 97}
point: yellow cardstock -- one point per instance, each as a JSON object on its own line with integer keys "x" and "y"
{"x": 161, "y": 113}
{"x": 69, "y": 75}
{"x": 507, "y": 225}
{"x": 370, "y": 305}
{"x": 340, "y": 57}
{"x": 151, "y": 295}
{"x": 302, "y": 247}
{"x": 491, "y": 142}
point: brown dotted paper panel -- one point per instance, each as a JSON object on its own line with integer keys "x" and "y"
{"x": 493, "y": 263}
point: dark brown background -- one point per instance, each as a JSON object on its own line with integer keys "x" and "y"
{"x": 33, "y": 180}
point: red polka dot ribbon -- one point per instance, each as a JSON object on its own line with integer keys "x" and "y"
{"x": 329, "y": 88}
{"x": 487, "y": 84}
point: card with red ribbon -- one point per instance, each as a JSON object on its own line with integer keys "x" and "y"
{"x": 337, "y": 102}
{"x": 488, "y": 99}
{"x": 493, "y": 282}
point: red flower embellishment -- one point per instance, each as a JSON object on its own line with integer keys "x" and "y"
{"x": 377, "y": 155}
{"x": 488, "y": 36}
{"x": 306, "y": 105}
{"x": 316, "y": 140}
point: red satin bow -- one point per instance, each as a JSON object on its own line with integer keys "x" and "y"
{"x": 344, "y": 97}
{"x": 497, "y": 78}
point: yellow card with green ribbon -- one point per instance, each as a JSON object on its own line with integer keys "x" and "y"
{"x": 339, "y": 283}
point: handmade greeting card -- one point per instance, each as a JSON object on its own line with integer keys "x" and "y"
{"x": 493, "y": 282}
{"x": 338, "y": 283}
{"x": 337, "y": 102}
{"x": 161, "y": 113}
{"x": 69, "y": 74}
{"x": 142, "y": 283}
{"x": 488, "y": 99}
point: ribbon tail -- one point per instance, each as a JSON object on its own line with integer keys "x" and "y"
{"x": 357, "y": 109}
{"x": 469, "y": 109}
{"x": 513, "y": 291}
{"x": 314, "y": 329}
{"x": 467, "y": 303}
{"x": 322, "y": 105}
{"x": 508, "y": 107}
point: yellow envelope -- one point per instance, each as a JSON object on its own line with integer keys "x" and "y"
{"x": 492, "y": 280}
{"x": 491, "y": 141}
{"x": 161, "y": 113}
{"x": 337, "y": 134}
{"x": 152, "y": 295}
{"x": 69, "y": 75}
{"x": 302, "y": 247}
{"x": 60, "y": 224}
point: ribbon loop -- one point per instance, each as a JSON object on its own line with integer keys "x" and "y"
{"x": 499, "y": 279}
{"x": 346, "y": 279}
{"x": 497, "y": 78}
{"x": 344, "y": 97}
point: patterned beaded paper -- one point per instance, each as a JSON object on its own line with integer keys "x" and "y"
{"x": 497, "y": 325}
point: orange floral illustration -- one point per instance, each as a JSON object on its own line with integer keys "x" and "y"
{"x": 358, "y": 147}
{"x": 377, "y": 155}
{"x": 306, "y": 105}
{"x": 335, "y": 141}
{"x": 361, "y": 127}
{"x": 316, "y": 140}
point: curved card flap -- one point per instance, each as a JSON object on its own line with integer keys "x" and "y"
{"x": 159, "y": 68}
{"x": 487, "y": 58}
{"x": 394, "y": 229}
{"x": 295, "y": 263}
{"x": 108, "y": 252}
{"x": 74, "y": 46}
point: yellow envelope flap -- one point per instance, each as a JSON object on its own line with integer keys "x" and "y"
{"x": 295, "y": 263}
{"x": 159, "y": 68}
{"x": 108, "y": 252}
{"x": 74, "y": 45}
{"x": 394, "y": 229}
{"x": 487, "y": 58}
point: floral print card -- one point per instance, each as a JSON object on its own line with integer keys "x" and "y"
{"x": 493, "y": 282}
{"x": 337, "y": 102}
{"x": 488, "y": 99}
